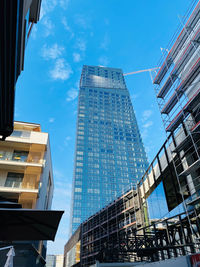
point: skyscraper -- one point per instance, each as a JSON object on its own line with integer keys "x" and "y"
{"x": 109, "y": 154}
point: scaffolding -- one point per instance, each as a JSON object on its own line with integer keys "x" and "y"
{"x": 164, "y": 239}
{"x": 111, "y": 235}
{"x": 105, "y": 227}
{"x": 177, "y": 87}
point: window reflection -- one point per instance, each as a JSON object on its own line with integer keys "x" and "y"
{"x": 14, "y": 180}
{"x": 20, "y": 156}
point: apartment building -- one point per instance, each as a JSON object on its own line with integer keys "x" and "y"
{"x": 26, "y": 178}
{"x": 25, "y": 167}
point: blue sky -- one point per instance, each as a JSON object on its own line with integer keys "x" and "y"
{"x": 126, "y": 34}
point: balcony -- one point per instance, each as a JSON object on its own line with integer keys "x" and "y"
{"x": 21, "y": 188}
{"x": 19, "y": 161}
{"x": 26, "y": 196}
{"x": 20, "y": 182}
{"x": 17, "y": 190}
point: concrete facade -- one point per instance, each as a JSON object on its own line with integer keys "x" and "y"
{"x": 54, "y": 260}
{"x": 26, "y": 177}
{"x": 26, "y": 153}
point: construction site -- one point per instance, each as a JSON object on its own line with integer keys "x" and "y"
{"x": 123, "y": 231}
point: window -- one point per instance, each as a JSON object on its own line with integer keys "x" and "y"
{"x": 2, "y": 155}
{"x": 14, "y": 179}
{"x": 23, "y": 134}
{"x": 78, "y": 182}
{"x": 90, "y": 190}
{"x": 20, "y": 155}
{"x": 77, "y": 189}
{"x": 81, "y": 115}
{"x": 81, "y": 132}
{"x": 78, "y": 196}
{"x": 76, "y": 220}
{"x": 79, "y": 152}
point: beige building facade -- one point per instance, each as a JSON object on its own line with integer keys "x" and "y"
{"x": 25, "y": 167}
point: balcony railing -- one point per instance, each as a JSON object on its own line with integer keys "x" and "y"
{"x": 18, "y": 158}
{"x": 21, "y": 185}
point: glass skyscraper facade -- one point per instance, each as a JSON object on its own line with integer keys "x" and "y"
{"x": 109, "y": 155}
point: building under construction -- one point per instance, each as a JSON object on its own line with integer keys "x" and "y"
{"x": 122, "y": 231}
{"x": 177, "y": 85}
{"x": 177, "y": 164}
{"x": 98, "y": 237}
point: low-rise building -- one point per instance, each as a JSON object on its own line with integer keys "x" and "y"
{"x": 26, "y": 178}
{"x": 54, "y": 260}
{"x": 25, "y": 167}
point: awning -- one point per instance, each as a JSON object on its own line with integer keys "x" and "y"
{"x": 25, "y": 224}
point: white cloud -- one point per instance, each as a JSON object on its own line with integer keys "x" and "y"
{"x": 52, "y": 52}
{"x": 51, "y": 120}
{"x": 47, "y": 6}
{"x": 65, "y": 24}
{"x": 62, "y": 191}
{"x": 81, "y": 44}
{"x": 103, "y": 60}
{"x": 67, "y": 27}
{"x": 64, "y": 4}
{"x": 72, "y": 94}
{"x": 57, "y": 174}
{"x": 146, "y": 114}
{"x": 34, "y": 32}
{"x": 144, "y": 133}
{"x": 82, "y": 21}
{"x": 61, "y": 71}
{"x": 49, "y": 26}
{"x": 77, "y": 84}
{"x": 67, "y": 139}
{"x": 76, "y": 57}
{"x": 134, "y": 96}
{"x": 148, "y": 124}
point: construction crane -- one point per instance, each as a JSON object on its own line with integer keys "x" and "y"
{"x": 139, "y": 71}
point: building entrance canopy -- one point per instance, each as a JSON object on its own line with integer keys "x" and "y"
{"x": 25, "y": 224}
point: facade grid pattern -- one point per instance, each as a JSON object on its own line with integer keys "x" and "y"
{"x": 109, "y": 155}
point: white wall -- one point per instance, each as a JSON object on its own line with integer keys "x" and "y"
{"x": 46, "y": 173}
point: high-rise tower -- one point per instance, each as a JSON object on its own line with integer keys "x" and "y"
{"x": 109, "y": 155}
